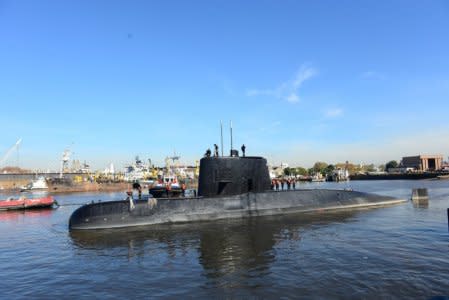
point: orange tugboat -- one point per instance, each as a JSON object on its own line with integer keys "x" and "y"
{"x": 25, "y": 203}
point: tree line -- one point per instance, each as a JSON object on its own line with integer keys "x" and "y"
{"x": 324, "y": 168}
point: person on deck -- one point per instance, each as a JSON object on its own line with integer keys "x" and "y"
{"x": 183, "y": 188}
{"x": 168, "y": 189}
{"x": 215, "y": 150}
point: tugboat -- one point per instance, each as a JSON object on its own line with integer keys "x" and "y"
{"x": 168, "y": 187}
{"x": 228, "y": 187}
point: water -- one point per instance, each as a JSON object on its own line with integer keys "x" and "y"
{"x": 393, "y": 252}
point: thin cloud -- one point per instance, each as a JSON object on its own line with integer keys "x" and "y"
{"x": 333, "y": 113}
{"x": 373, "y": 75}
{"x": 288, "y": 90}
{"x": 293, "y": 98}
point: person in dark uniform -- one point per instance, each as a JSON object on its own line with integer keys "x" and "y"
{"x": 208, "y": 152}
{"x": 243, "y": 150}
{"x": 140, "y": 192}
{"x": 215, "y": 150}
{"x": 138, "y": 187}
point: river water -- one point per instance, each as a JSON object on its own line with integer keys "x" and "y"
{"x": 399, "y": 251}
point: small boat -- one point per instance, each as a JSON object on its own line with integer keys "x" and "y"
{"x": 26, "y": 203}
{"x": 39, "y": 184}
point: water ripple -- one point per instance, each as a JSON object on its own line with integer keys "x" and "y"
{"x": 393, "y": 252}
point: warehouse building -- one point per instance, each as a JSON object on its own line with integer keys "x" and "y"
{"x": 423, "y": 162}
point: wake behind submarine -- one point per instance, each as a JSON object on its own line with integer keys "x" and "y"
{"x": 228, "y": 187}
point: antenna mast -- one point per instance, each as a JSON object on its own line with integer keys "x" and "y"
{"x": 231, "y": 136}
{"x": 221, "y": 134}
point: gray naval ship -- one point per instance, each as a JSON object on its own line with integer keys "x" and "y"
{"x": 229, "y": 187}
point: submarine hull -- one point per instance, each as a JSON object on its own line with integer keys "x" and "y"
{"x": 116, "y": 214}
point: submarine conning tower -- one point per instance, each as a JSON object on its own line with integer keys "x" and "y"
{"x": 232, "y": 175}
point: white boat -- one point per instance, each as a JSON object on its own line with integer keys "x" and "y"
{"x": 137, "y": 171}
{"x": 38, "y": 184}
{"x": 318, "y": 179}
{"x": 339, "y": 175}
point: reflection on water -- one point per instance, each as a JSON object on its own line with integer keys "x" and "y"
{"x": 421, "y": 203}
{"x": 393, "y": 252}
{"x": 224, "y": 246}
{"x": 14, "y": 215}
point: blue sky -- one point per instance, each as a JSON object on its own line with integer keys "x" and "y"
{"x": 302, "y": 81}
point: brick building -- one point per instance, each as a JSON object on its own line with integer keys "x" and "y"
{"x": 423, "y": 162}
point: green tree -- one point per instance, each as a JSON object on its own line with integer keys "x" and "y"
{"x": 287, "y": 171}
{"x": 301, "y": 171}
{"x": 329, "y": 169}
{"x": 320, "y": 167}
{"x": 391, "y": 164}
{"x": 370, "y": 168}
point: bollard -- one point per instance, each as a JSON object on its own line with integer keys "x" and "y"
{"x": 420, "y": 198}
{"x": 420, "y": 194}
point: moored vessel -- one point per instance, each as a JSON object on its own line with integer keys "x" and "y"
{"x": 40, "y": 183}
{"x": 167, "y": 187}
{"x": 27, "y": 203}
{"x": 228, "y": 187}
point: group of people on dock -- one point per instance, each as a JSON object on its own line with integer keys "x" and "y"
{"x": 283, "y": 184}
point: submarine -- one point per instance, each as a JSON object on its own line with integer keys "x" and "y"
{"x": 228, "y": 187}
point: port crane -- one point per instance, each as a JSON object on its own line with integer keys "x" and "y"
{"x": 173, "y": 159}
{"x": 10, "y": 150}
{"x": 65, "y": 161}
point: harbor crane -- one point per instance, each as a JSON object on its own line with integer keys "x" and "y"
{"x": 169, "y": 165}
{"x": 174, "y": 157}
{"x": 10, "y": 150}
{"x": 65, "y": 161}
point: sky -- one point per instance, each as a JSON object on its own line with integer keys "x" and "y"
{"x": 301, "y": 81}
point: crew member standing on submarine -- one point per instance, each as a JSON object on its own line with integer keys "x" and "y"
{"x": 216, "y": 150}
